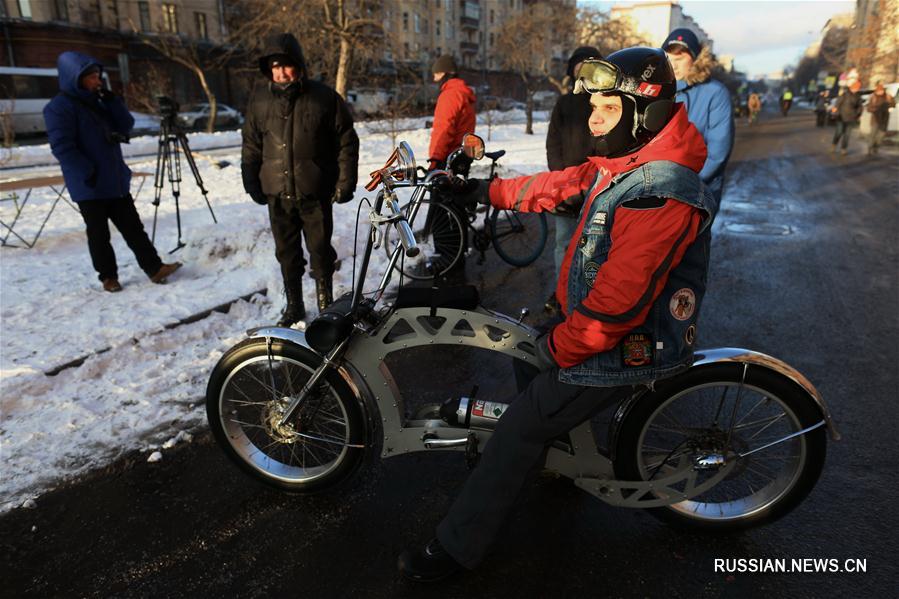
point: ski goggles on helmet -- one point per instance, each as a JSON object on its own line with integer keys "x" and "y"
{"x": 599, "y": 76}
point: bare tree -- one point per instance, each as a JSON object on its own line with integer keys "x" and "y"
{"x": 199, "y": 58}
{"x": 528, "y": 44}
{"x": 597, "y": 28}
{"x": 353, "y": 26}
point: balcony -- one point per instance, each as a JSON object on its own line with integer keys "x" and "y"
{"x": 469, "y": 23}
{"x": 468, "y": 47}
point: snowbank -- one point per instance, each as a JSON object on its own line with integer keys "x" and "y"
{"x": 143, "y": 383}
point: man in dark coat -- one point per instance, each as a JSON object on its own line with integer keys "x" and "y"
{"x": 85, "y": 124}
{"x": 300, "y": 155}
{"x": 849, "y": 109}
{"x": 568, "y": 144}
{"x": 879, "y": 105}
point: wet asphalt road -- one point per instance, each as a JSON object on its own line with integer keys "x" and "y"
{"x": 804, "y": 267}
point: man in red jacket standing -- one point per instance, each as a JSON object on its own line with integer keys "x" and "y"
{"x": 454, "y": 115}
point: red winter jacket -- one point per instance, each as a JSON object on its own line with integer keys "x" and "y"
{"x": 643, "y": 235}
{"x": 453, "y": 117}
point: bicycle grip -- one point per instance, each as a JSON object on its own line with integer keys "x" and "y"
{"x": 403, "y": 230}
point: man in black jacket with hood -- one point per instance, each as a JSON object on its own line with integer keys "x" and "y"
{"x": 568, "y": 144}
{"x": 300, "y": 155}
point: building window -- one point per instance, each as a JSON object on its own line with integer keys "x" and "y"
{"x": 449, "y": 30}
{"x": 200, "y": 18}
{"x": 25, "y": 9}
{"x": 170, "y": 18}
{"x": 405, "y": 21}
{"x": 437, "y": 27}
{"x": 144, "y": 10}
{"x": 491, "y": 16}
{"x": 491, "y": 40}
{"x": 61, "y": 9}
{"x": 405, "y": 49}
{"x": 417, "y": 22}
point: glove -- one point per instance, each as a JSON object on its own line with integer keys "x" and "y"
{"x": 545, "y": 359}
{"x": 341, "y": 197}
{"x": 259, "y": 198}
{"x": 106, "y": 94}
{"x": 471, "y": 192}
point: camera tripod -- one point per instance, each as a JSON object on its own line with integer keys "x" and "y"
{"x": 173, "y": 141}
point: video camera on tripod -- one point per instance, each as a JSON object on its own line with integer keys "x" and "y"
{"x": 172, "y": 141}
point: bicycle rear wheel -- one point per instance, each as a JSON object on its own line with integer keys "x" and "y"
{"x": 518, "y": 237}
{"x": 440, "y": 235}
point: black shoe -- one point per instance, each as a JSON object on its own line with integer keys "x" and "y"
{"x": 430, "y": 564}
{"x": 293, "y": 313}
{"x": 295, "y": 310}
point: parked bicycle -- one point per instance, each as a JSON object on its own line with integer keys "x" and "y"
{"x": 446, "y": 230}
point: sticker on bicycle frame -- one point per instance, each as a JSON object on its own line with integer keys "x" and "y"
{"x": 683, "y": 304}
{"x": 590, "y": 270}
{"x": 690, "y": 334}
{"x": 636, "y": 350}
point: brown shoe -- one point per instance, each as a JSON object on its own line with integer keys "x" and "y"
{"x": 111, "y": 285}
{"x": 164, "y": 271}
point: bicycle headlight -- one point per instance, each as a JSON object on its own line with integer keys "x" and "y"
{"x": 404, "y": 168}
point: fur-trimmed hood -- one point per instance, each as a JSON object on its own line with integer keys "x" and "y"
{"x": 702, "y": 68}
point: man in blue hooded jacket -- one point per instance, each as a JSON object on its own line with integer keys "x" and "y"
{"x": 708, "y": 102}
{"x": 86, "y": 123}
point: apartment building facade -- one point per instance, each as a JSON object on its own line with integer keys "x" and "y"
{"x": 655, "y": 20}
{"x": 467, "y": 29}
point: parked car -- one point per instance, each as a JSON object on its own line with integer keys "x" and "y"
{"x": 497, "y": 103}
{"x": 368, "y": 102}
{"x": 196, "y": 116}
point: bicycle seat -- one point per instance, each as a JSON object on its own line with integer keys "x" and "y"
{"x": 495, "y": 155}
{"x": 461, "y": 297}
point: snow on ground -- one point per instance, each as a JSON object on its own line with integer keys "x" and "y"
{"x": 143, "y": 385}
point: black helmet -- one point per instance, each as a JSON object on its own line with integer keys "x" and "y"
{"x": 642, "y": 74}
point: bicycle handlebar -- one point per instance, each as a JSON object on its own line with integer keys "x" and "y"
{"x": 403, "y": 230}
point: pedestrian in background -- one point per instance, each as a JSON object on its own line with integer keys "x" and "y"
{"x": 754, "y": 105}
{"x": 86, "y": 123}
{"x": 708, "y": 102}
{"x": 300, "y": 155}
{"x": 849, "y": 110}
{"x": 568, "y": 143}
{"x": 821, "y": 109}
{"x": 786, "y": 100}
{"x": 879, "y": 106}
{"x": 454, "y": 115}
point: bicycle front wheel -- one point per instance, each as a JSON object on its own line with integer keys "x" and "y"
{"x": 518, "y": 237}
{"x": 440, "y": 235}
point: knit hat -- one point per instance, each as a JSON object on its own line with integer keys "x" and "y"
{"x": 685, "y": 38}
{"x": 445, "y": 64}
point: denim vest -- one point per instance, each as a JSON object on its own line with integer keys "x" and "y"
{"x": 663, "y": 344}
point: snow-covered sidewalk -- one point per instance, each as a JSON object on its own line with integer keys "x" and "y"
{"x": 147, "y": 382}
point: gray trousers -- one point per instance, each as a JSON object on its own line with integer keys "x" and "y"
{"x": 545, "y": 410}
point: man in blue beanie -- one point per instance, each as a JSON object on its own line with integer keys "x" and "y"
{"x": 86, "y": 124}
{"x": 708, "y": 102}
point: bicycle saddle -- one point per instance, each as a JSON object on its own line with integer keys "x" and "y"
{"x": 495, "y": 155}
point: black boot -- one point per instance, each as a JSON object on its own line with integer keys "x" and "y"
{"x": 324, "y": 293}
{"x": 295, "y": 310}
{"x": 430, "y": 564}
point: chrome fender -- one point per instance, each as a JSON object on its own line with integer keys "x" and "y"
{"x": 741, "y": 356}
{"x": 347, "y": 372}
{"x": 747, "y": 356}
